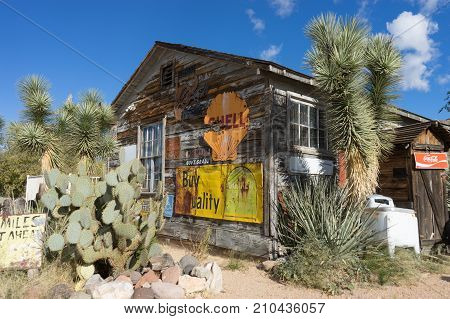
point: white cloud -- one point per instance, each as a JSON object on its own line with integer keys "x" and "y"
{"x": 411, "y": 34}
{"x": 444, "y": 79}
{"x": 258, "y": 24}
{"x": 271, "y": 53}
{"x": 283, "y": 8}
{"x": 429, "y": 6}
{"x": 364, "y": 8}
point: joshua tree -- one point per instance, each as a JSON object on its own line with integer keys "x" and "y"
{"x": 357, "y": 74}
{"x": 74, "y": 132}
{"x": 35, "y": 134}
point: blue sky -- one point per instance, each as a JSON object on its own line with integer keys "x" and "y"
{"x": 118, "y": 34}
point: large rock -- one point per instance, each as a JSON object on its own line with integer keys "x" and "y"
{"x": 135, "y": 276}
{"x": 143, "y": 293}
{"x": 268, "y": 265}
{"x": 60, "y": 291}
{"x": 165, "y": 290}
{"x": 192, "y": 284}
{"x": 171, "y": 274}
{"x": 93, "y": 282}
{"x": 123, "y": 278}
{"x": 113, "y": 290}
{"x": 160, "y": 263}
{"x": 215, "y": 284}
{"x": 187, "y": 263}
{"x": 212, "y": 274}
{"x": 148, "y": 278}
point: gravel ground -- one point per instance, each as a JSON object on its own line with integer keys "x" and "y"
{"x": 249, "y": 282}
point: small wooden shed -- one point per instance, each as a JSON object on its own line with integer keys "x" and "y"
{"x": 415, "y": 176}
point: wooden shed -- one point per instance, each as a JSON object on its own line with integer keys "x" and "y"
{"x": 415, "y": 176}
{"x": 221, "y": 131}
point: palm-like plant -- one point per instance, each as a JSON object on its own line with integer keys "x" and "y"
{"x": 36, "y": 133}
{"x": 86, "y": 127}
{"x": 74, "y": 132}
{"x": 357, "y": 74}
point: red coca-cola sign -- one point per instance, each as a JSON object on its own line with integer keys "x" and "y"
{"x": 431, "y": 160}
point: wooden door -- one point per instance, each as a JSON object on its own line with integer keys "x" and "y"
{"x": 429, "y": 200}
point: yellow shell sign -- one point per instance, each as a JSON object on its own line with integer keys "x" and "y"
{"x": 227, "y": 191}
{"x": 231, "y": 113}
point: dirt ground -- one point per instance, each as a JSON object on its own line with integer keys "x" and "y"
{"x": 249, "y": 282}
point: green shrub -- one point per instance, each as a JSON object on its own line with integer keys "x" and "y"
{"x": 325, "y": 234}
{"x": 404, "y": 267}
{"x": 318, "y": 209}
{"x": 314, "y": 265}
{"x": 14, "y": 168}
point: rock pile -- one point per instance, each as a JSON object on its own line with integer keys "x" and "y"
{"x": 162, "y": 279}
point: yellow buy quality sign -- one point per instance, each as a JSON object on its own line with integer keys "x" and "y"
{"x": 21, "y": 239}
{"x": 223, "y": 191}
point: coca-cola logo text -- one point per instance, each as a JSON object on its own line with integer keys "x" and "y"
{"x": 430, "y": 158}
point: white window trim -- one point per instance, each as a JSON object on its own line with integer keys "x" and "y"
{"x": 294, "y": 98}
{"x": 163, "y": 150}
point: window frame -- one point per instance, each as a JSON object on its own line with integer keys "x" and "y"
{"x": 161, "y": 122}
{"x": 295, "y": 102}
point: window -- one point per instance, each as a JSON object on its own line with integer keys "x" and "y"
{"x": 167, "y": 76}
{"x": 399, "y": 172}
{"x": 307, "y": 126}
{"x": 151, "y": 154}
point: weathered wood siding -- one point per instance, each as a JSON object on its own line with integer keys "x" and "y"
{"x": 395, "y": 185}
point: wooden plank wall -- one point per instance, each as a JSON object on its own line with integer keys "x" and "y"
{"x": 184, "y": 139}
{"x": 398, "y": 188}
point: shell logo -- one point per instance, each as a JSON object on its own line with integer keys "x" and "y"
{"x": 230, "y": 113}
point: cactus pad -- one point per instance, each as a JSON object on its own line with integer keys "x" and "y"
{"x": 73, "y": 233}
{"x": 55, "y": 242}
{"x": 86, "y": 238}
{"x": 111, "y": 178}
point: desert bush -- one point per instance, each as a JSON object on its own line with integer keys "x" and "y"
{"x": 14, "y": 168}
{"x": 318, "y": 209}
{"x": 403, "y": 267}
{"x": 325, "y": 233}
{"x": 314, "y": 265}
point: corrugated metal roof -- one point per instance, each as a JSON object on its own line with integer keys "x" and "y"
{"x": 407, "y": 134}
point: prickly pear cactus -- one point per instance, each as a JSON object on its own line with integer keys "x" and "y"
{"x": 104, "y": 219}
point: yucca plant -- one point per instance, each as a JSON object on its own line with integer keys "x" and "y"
{"x": 317, "y": 209}
{"x": 75, "y": 131}
{"x": 36, "y": 134}
{"x": 357, "y": 74}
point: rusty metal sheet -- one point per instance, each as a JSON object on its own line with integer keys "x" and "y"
{"x": 230, "y": 112}
{"x": 223, "y": 191}
{"x": 21, "y": 241}
{"x": 173, "y": 148}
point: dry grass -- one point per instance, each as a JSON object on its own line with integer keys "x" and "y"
{"x": 200, "y": 248}
{"x": 16, "y": 285}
